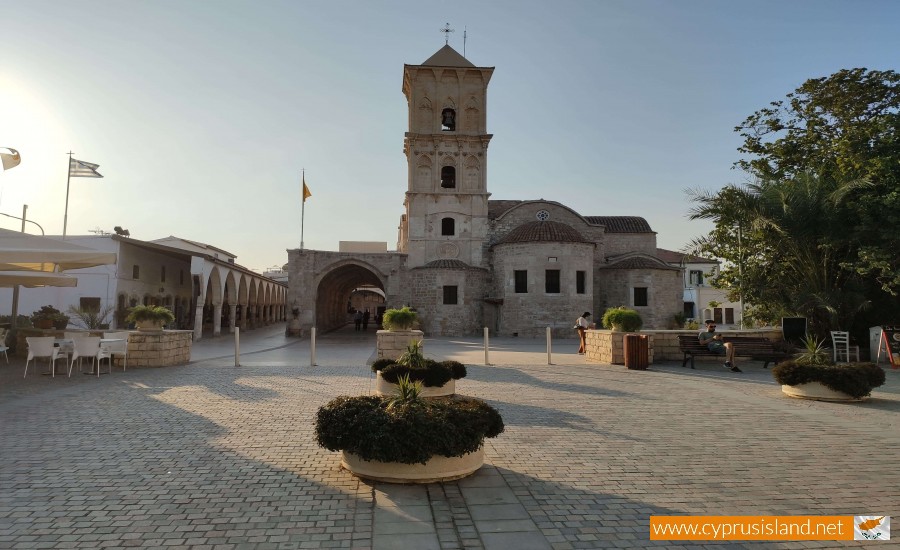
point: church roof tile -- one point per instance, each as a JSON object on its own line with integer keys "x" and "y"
{"x": 548, "y": 231}
{"x": 621, "y": 224}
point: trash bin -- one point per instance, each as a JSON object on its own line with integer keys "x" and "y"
{"x": 637, "y": 351}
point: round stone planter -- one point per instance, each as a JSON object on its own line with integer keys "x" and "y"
{"x": 383, "y": 387}
{"x": 437, "y": 469}
{"x": 818, "y": 391}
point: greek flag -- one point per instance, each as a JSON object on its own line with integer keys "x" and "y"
{"x": 81, "y": 169}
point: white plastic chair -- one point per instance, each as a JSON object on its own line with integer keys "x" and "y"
{"x": 3, "y": 347}
{"x": 87, "y": 346}
{"x": 111, "y": 349}
{"x": 41, "y": 346}
{"x": 841, "y": 345}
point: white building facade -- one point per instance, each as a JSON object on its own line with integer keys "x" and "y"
{"x": 200, "y": 284}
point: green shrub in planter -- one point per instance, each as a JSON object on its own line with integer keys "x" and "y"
{"x": 432, "y": 374}
{"x": 153, "y": 314}
{"x": 457, "y": 368}
{"x": 622, "y": 318}
{"x": 399, "y": 319}
{"x": 379, "y": 364}
{"x": 409, "y": 432}
{"x": 855, "y": 379}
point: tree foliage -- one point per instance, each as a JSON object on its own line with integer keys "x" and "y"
{"x": 843, "y": 127}
{"x": 817, "y": 231}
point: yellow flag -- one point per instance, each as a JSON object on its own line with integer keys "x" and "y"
{"x": 306, "y": 193}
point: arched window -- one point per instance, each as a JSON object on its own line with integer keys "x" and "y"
{"x": 448, "y": 120}
{"x": 448, "y": 177}
{"x": 448, "y": 226}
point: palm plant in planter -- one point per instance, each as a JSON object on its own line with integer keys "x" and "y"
{"x": 437, "y": 377}
{"x": 812, "y": 375}
{"x": 406, "y": 439}
{"x": 399, "y": 319}
{"x": 150, "y": 318}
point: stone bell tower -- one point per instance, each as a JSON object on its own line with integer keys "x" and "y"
{"x": 446, "y": 151}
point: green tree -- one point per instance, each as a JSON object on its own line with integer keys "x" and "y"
{"x": 843, "y": 127}
{"x": 784, "y": 244}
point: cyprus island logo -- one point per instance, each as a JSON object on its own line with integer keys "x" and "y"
{"x": 871, "y": 527}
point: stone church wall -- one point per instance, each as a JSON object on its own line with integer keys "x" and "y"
{"x": 427, "y": 297}
{"x": 613, "y": 288}
{"x": 621, "y": 243}
{"x": 529, "y": 314}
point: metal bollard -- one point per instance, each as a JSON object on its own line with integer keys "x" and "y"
{"x": 487, "y": 359}
{"x": 312, "y": 347}
{"x": 549, "y": 347}
{"x": 237, "y": 346}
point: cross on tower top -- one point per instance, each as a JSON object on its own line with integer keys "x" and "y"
{"x": 446, "y": 30}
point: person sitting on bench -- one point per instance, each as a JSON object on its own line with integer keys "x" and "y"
{"x": 714, "y": 343}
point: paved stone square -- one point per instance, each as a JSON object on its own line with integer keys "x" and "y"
{"x": 208, "y": 455}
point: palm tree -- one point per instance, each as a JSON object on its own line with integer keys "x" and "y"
{"x": 789, "y": 239}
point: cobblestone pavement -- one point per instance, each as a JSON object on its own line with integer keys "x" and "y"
{"x": 213, "y": 456}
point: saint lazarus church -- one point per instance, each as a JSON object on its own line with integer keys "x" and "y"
{"x": 464, "y": 261}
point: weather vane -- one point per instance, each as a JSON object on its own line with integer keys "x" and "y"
{"x": 446, "y": 30}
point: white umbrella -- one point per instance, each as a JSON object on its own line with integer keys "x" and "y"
{"x": 24, "y": 252}
{"x": 32, "y": 279}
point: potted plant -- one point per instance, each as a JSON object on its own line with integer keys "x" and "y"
{"x": 406, "y": 439}
{"x": 622, "y": 319}
{"x": 437, "y": 378}
{"x": 49, "y": 317}
{"x": 399, "y": 319}
{"x": 89, "y": 318}
{"x": 812, "y": 375}
{"x": 149, "y": 318}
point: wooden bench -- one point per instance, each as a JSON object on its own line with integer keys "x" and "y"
{"x": 755, "y": 347}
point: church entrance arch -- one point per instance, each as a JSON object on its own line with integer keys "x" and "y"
{"x": 335, "y": 289}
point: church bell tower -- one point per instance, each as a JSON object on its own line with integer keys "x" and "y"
{"x": 446, "y": 151}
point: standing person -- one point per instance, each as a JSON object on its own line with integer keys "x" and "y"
{"x": 581, "y": 325}
{"x": 357, "y": 319}
{"x": 715, "y": 344}
{"x": 366, "y": 317}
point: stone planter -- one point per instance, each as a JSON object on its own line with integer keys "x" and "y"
{"x": 392, "y": 343}
{"x": 437, "y": 469}
{"x": 383, "y": 387}
{"x": 817, "y": 391}
{"x": 149, "y": 326}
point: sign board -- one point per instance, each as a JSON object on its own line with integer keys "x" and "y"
{"x": 890, "y": 337}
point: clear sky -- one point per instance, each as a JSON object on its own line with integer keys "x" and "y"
{"x": 202, "y": 114}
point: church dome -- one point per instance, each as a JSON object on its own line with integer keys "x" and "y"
{"x": 546, "y": 231}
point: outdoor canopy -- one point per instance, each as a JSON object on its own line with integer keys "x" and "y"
{"x": 32, "y": 279}
{"x": 24, "y": 252}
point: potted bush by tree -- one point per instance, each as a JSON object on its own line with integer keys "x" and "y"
{"x": 406, "y": 439}
{"x": 49, "y": 317}
{"x": 622, "y": 319}
{"x": 812, "y": 375}
{"x": 437, "y": 378}
{"x": 150, "y": 318}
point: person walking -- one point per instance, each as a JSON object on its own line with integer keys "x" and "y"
{"x": 366, "y": 317}
{"x": 581, "y": 325}
{"x": 357, "y": 320}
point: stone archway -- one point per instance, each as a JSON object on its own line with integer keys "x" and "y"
{"x": 334, "y": 291}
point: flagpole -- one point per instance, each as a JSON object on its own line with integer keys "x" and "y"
{"x": 302, "y": 207}
{"x": 68, "y": 179}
